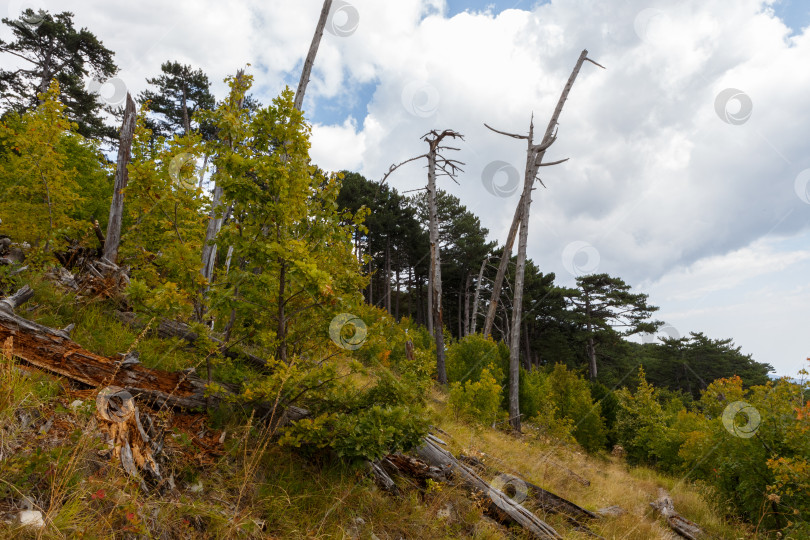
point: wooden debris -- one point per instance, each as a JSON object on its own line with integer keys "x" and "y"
{"x": 53, "y": 350}
{"x": 611, "y": 511}
{"x": 381, "y": 477}
{"x": 502, "y": 507}
{"x": 131, "y": 444}
{"x": 546, "y": 500}
{"x": 679, "y": 524}
{"x": 171, "y": 329}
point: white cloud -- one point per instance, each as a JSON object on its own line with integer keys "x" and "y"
{"x": 657, "y": 182}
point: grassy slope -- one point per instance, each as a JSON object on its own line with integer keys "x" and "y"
{"x": 253, "y": 489}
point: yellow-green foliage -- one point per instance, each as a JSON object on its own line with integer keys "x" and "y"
{"x": 165, "y": 224}
{"x": 466, "y": 359}
{"x": 561, "y": 401}
{"x": 478, "y": 400}
{"x": 46, "y": 172}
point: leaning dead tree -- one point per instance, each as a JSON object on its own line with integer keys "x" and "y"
{"x": 438, "y": 165}
{"x": 121, "y": 178}
{"x": 313, "y": 51}
{"x": 216, "y": 218}
{"x": 534, "y": 160}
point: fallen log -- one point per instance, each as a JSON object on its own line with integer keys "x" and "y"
{"x": 679, "y": 524}
{"x": 501, "y": 506}
{"x": 169, "y": 329}
{"x": 547, "y": 500}
{"x": 53, "y": 350}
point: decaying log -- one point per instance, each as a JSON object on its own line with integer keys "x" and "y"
{"x": 679, "y": 524}
{"x": 501, "y": 506}
{"x": 381, "y": 477}
{"x": 416, "y": 468}
{"x": 547, "y": 500}
{"x": 168, "y": 329}
{"x": 53, "y": 350}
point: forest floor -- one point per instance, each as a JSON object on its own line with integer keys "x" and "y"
{"x": 229, "y": 480}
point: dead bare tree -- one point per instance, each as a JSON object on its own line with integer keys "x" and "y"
{"x": 534, "y": 160}
{"x": 474, "y": 316}
{"x": 313, "y": 51}
{"x": 121, "y": 178}
{"x": 438, "y": 165}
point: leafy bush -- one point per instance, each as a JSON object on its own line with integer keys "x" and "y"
{"x": 478, "y": 400}
{"x": 641, "y": 422}
{"x": 468, "y": 357}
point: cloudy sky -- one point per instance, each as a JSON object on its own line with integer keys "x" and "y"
{"x": 689, "y": 171}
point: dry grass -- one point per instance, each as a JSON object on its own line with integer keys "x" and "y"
{"x": 555, "y": 466}
{"x": 252, "y": 489}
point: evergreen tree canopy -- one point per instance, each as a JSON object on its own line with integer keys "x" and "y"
{"x": 180, "y": 91}
{"x": 54, "y": 49}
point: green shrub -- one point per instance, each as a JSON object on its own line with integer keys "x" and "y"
{"x": 478, "y": 400}
{"x": 468, "y": 357}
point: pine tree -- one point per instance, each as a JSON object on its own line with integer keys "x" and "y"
{"x": 55, "y": 49}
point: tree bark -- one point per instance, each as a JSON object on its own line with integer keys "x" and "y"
{"x": 113, "y": 239}
{"x": 435, "y": 268}
{"x": 466, "y": 326}
{"x": 388, "y": 275}
{"x": 500, "y": 505}
{"x": 209, "y": 250}
{"x": 310, "y": 60}
{"x": 502, "y": 266}
{"x": 54, "y": 351}
{"x": 474, "y": 321}
{"x": 681, "y": 525}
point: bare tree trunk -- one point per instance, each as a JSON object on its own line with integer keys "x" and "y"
{"x": 313, "y": 51}
{"x": 281, "y": 332}
{"x": 527, "y": 351}
{"x": 590, "y": 347}
{"x": 209, "y": 250}
{"x": 435, "y": 269}
{"x": 396, "y": 305}
{"x": 113, "y": 239}
{"x": 502, "y": 266}
{"x": 186, "y": 120}
{"x": 410, "y": 292}
{"x": 466, "y": 326}
{"x": 370, "y": 282}
{"x": 429, "y": 316}
{"x": 517, "y": 303}
{"x": 534, "y": 159}
{"x": 474, "y": 321}
{"x": 388, "y": 275}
